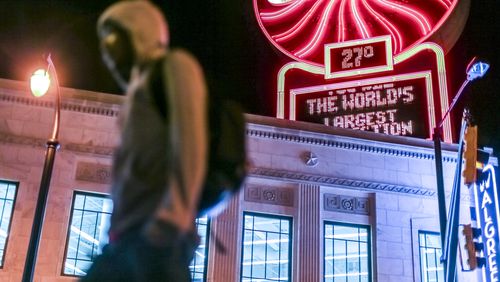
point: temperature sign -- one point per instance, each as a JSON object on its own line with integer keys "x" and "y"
{"x": 352, "y": 58}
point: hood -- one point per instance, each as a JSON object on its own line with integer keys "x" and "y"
{"x": 145, "y": 25}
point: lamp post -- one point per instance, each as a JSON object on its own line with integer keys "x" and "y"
{"x": 475, "y": 69}
{"x": 40, "y": 82}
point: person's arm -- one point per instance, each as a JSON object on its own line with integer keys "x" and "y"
{"x": 187, "y": 120}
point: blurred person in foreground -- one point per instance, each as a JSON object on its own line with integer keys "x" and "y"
{"x": 160, "y": 165}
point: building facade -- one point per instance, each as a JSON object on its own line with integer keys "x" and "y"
{"x": 319, "y": 204}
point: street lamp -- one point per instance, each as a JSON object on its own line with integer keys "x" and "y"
{"x": 475, "y": 69}
{"x": 39, "y": 85}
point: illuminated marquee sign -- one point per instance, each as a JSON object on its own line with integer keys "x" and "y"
{"x": 332, "y": 42}
{"x": 364, "y": 87}
{"x": 391, "y": 105}
{"x": 488, "y": 216}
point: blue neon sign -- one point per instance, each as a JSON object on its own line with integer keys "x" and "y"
{"x": 488, "y": 216}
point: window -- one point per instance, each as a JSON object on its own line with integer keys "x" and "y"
{"x": 347, "y": 253}
{"x": 7, "y": 196}
{"x": 429, "y": 244}
{"x": 198, "y": 266}
{"x": 267, "y": 244}
{"x": 87, "y": 234}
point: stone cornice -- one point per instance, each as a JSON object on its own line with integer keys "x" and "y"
{"x": 76, "y": 100}
{"x": 320, "y": 135}
{"x": 38, "y": 142}
{"x": 67, "y": 105}
{"x": 335, "y": 181}
{"x": 107, "y": 105}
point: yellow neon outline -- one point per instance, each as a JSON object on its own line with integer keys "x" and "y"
{"x": 377, "y": 80}
{"x": 338, "y": 74}
{"x": 442, "y": 81}
{"x": 280, "y": 106}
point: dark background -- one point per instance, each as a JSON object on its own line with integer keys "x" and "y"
{"x": 238, "y": 61}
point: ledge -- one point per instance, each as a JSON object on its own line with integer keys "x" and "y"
{"x": 321, "y": 135}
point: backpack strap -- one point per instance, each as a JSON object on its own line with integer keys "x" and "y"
{"x": 158, "y": 82}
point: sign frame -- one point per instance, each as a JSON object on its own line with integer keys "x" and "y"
{"x": 388, "y": 66}
{"x": 400, "y": 58}
{"x": 426, "y": 75}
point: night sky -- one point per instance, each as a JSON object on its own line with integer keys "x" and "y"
{"x": 238, "y": 61}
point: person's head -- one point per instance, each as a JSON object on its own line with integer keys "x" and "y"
{"x": 131, "y": 33}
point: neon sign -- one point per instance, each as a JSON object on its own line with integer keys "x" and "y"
{"x": 390, "y": 105}
{"x": 337, "y": 41}
{"x": 488, "y": 216}
{"x": 322, "y": 95}
{"x": 353, "y": 58}
{"x": 301, "y": 28}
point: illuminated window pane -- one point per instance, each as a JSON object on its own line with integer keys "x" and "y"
{"x": 7, "y": 195}
{"x": 347, "y": 253}
{"x": 90, "y": 217}
{"x": 430, "y": 253}
{"x": 198, "y": 266}
{"x": 266, "y": 251}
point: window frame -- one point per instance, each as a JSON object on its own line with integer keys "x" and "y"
{"x": 68, "y": 233}
{"x": 207, "y": 242}
{"x": 426, "y": 232}
{"x": 16, "y": 189}
{"x": 290, "y": 240}
{"x": 369, "y": 242}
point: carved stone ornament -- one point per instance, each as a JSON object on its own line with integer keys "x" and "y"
{"x": 329, "y": 180}
{"x": 269, "y": 195}
{"x": 93, "y": 172}
{"x": 310, "y": 158}
{"x": 349, "y": 204}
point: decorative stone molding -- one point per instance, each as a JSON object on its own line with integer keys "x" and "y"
{"x": 327, "y": 180}
{"x": 269, "y": 195}
{"x": 97, "y": 150}
{"x": 88, "y": 108}
{"x": 22, "y": 140}
{"x": 310, "y": 159}
{"x": 344, "y": 144}
{"x": 340, "y": 203}
{"x": 93, "y": 172}
{"x": 38, "y": 142}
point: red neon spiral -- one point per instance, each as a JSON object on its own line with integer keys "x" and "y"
{"x": 300, "y": 28}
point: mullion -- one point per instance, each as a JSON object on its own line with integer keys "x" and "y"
{"x": 193, "y": 273}
{"x": 5, "y": 200}
{"x": 3, "y": 210}
{"x": 359, "y": 257}
{"x": 346, "y": 265}
{"x": 1, "y": 218}
{"x": 265, "y": 257}
{"x": 435, "y": 263}
{"x": 279, "y": 252}
{"x": 253, "y": 239}
{"x": 426, "y": 258}
{"x": 95, "y": 230}
{"x": 80, "y": 234}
